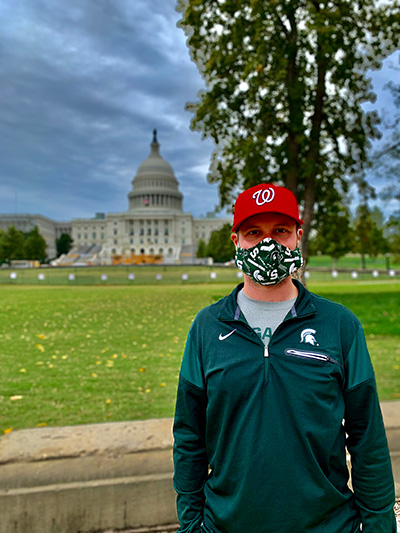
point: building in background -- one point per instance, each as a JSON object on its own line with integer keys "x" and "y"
{"x": 154, "y": 225}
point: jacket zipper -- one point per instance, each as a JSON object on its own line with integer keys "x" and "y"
{"x": 266, "y": 364}
{"x": 311, "y": 355}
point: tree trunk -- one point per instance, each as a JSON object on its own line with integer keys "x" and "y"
{"x": 312, "y": 160}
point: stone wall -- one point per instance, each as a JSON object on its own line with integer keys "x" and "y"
{"x": 81, "y": 479}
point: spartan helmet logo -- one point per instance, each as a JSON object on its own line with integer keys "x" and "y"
{"x": 258, "y": 276}
{"x": 307, "y": 336}
{"x": 264, "y": 196}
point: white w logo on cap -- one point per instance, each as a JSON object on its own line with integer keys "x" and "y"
{"x": 264, "y": 196}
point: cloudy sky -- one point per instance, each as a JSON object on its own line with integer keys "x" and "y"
{"x": 84, "y": 83}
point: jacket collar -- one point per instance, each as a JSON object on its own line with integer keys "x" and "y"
{"x": 303, "y": 305}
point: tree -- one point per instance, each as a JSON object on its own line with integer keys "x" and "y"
{"x": 368, "y": 236}
{"x": 393, "y": 236}
{"x": 335, "y": 236}
{"x": 64, "y": 244}
{"x": 285, "y": 83}
{"x": 35, "y": 246}
{"x": 201, "y": 249}
{"x": 12, "y": 244}
{"x": 386, "y": 158}
{"x": 220, "y": 246}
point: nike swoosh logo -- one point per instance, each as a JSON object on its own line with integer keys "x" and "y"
{"x": 223, "y": 337}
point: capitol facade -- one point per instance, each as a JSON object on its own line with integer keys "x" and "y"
{"x": 154, "y": 224}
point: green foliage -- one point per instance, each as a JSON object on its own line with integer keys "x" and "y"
{"x": 335, "y": 236}
{"x": 64, "y": 244}
{"x": 285, "y": 88}
{"x": 369, "y": 237}
{"x": 35, "y": 246}
{"x": 14, "y": 245}
{"x": 201, "y": 249}
{"x": 393, "y": 232}
{"x": 220, "y": 246}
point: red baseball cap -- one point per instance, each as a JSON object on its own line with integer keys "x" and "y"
{"x": 265, "y": 198}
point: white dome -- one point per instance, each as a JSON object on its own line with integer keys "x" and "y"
{"x": 155, "y": 185}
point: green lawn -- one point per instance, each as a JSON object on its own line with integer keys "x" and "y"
{"x": 354, "y": 261}
{"x": 84, "y": 354}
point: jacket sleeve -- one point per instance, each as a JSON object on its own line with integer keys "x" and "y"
{"x": 371, "y": 470}
{"x": 190, "y": 458}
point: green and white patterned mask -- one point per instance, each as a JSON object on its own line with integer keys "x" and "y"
{"x": 268, "y": 262}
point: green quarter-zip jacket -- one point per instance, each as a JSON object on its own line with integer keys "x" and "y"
{"x": 261, "y": 434}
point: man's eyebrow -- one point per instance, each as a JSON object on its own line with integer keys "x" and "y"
{"x": 253, "y": 226}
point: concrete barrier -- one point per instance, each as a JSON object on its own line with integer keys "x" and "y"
{"x": 87, "y": 478}
{"x": 391, "y": 418}
{"x": 97, "y": 477}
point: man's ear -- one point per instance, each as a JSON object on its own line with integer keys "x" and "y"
{"x": 234, "y": 238}
{"x": 299, "y": 233}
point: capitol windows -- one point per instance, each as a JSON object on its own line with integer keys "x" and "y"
{"x": 115, "y": 241}
{"x": 148, "y": 231}
{"x": 85, "y": 236}
{"x": 141, "y": 231}
{"x": 156, "y": 231}
{"x": 79, "y": 235}
{"x": 166, "y": 231}
{"x": 170, "y": 251}
{"x": 102, "y": 236}
{"x": 94, "y": 235}
{"x": 115, "y": 232}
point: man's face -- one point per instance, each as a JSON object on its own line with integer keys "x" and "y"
{"x": 281, "y": 228}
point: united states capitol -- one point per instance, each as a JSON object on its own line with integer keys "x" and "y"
{"x": 154, "y": 225}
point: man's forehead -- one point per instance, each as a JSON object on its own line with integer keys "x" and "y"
{"x": 267, "y": 218}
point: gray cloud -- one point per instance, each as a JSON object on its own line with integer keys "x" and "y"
{"x": 83, "y": 86}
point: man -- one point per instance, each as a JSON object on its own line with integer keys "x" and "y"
{"x": 275, "y": 383}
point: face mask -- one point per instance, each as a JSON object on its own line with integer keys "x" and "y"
{"x": 268, "y": 262}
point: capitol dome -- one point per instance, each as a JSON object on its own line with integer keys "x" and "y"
{"x": 155, "y": 186}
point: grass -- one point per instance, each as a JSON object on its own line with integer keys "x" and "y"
{"x": 85, "y": 354}
{"x": 354, "y": 261}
